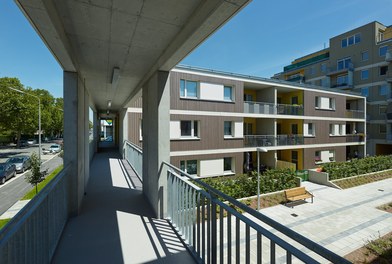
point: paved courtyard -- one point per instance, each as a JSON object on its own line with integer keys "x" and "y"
{"x": 340, "y": 220}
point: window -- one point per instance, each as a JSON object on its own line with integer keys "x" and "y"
{"x": 188, "y": 89}
{"x": 228, "y": 93}
{"x": 343, "y": 63}
{"x": 337, "y": 129}
{"x": 383, "y": 70}
{"x": 189, "y": 166}
{"x": 364, "y": 74}
{"x": 294, "y": 100}
{"x": 382, "y": 50}
{"x": 325, "y": 103}
{"x": 332, "y": 155}
{"x": 380, "y": 36}
{"x": 309, "y": 129}
{"x": 227, "y": 164}
{"x": 228, "y": 128}
{"x": 189, "y": 129}
{"x": 342, "y": 80}
{"x": 364, "y": 55}
{"x": 248, "y": 98}
{"x": 383, "y": 90}
{"x": 325, "y": 82}
{"x": 365, "y": 91}
{"x": 351, "y": 40}
{"x": 323, "y": 67}
{"x": 383, "y": 128}
{"x": 382, "y": 109}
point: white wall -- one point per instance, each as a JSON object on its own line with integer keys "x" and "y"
{"x": 210, "y": 91}
{"x": 175, "y": 129}
{"x": 211, "y": 167}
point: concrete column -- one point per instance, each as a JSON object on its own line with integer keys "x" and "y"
{"x": 156, "y": 140}
{"x": 75, "y": 140}
{"x": 123, "y": 127}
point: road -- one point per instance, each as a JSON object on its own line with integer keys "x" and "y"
{"x": 14, "y": 189}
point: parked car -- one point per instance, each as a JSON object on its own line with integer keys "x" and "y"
{"x": 7, "y": 171}
{"x": 31, "y": 141}
{"x": 21, "y": 163}
{"x": 45, "y": 151}
{"x": 55, "y": 148}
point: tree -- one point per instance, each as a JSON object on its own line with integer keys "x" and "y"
{"x": 19, "y": 113}
{"x": 36, "y": 176}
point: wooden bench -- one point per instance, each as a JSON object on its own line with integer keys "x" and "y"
{"x": 296, "y": 194}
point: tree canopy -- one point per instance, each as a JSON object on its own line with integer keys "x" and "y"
{"x": 19, "y": 111}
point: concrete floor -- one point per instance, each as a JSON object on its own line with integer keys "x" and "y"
{"x": 116, "y": 223}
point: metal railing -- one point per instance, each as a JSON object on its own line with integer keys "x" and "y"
{"x": 215, "y": 231}
{"x": 32, "y": 235}
{"x": 271, "y": 140}
{"x": 355, "y": 138}
{"x": 272, "y": 109}
{"x": 134, "y": 155}
{"x": 355, "y": 114}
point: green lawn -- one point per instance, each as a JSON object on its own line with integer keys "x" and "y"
{"x": 3, "y": 222}
{"x": 356, "y": 181}
{"x": 42, "y": 184}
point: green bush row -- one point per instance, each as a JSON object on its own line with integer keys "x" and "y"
{"x": 246, "y": 185}
{"x": 339, "y": 170}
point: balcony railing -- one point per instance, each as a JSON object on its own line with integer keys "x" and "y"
{"x": 355, "y": 138}
{"x": 355, "y": 114}
{"x": 32, "y": 235}
{"x": 271, "y": 140}
{"x": 134, "y": 155}
{"x": 211, "y": 225}
{"x": 272, "y": 109}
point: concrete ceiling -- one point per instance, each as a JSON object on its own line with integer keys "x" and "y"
{"x": 92, "y": 37}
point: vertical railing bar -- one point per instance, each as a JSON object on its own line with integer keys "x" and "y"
{"x": 221, "y": 235}
{"x": 247, "y": 244}
{"x": 208, "y": 230}
{"x": 259, "y": 248}
{"x": 186, "y": 219}
{"x": 288, "y": 257}
{"x": 229, "y": 255}
{"x": 203, "y": 231}
{"x": 237, "y": 240}
{"x": 198, "y": 204}
{"x": 213, "y": 233}
{"x": 272, "y": 252}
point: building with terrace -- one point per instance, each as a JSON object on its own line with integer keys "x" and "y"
{"x": 358, "y": 60}
{"x": 218, "y": 120}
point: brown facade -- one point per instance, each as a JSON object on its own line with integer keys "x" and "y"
{"x": 134, "y": 122}
{"x": 310, "y": 107}
{"x": 309, "y": 155}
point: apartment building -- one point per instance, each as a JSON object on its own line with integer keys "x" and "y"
{"x": 218, "y": 120}
{"x": 358, "y": 60}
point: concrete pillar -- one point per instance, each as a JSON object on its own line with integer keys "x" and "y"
{"x": 75, "y": 140}
{"x": 156, "y": 140}
{"x": 123, "y": 127}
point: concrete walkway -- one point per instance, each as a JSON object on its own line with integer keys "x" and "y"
{"x": 340, "y": 220}
{"x": 116, "y": 224}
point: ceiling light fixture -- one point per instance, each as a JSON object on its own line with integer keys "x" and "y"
{"x": 109, "y": 103}
{"x": 115, "y": 76}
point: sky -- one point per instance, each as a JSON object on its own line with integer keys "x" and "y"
{"x": 260, "y": 40}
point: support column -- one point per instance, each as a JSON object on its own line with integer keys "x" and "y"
{"x": 75, "y": 141}
{"x": 156, "y": 140}
{"x": 123, "y": 127}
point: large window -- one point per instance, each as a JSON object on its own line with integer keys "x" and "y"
{"x": 365, "y": 91}
{"x": 309, "y": 129}
{"x": 337, "y": 129}
{"x": 228, "y": 93}
{"x": 351, "y": 40}
{"x": 189, "y": 166}
{"x": 364, "y": 74}
{"x": 189, "y": 128}
{"x": 325, "y": 103}
{"x": 383, "y": 89}
{"x": 383, "y": 50}
{"x": 188, "y": 89}
{"x": 343, "y": 63}
{"x": 383, "y": 70}
{"x": 364, "y": 55}
{"x": 228, "y": 128}
{"x": 342, "y": 80}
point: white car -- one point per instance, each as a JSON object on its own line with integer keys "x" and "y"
{"x": 55, "y": 148}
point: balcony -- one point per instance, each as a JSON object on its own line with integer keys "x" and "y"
{"x": 300, "y": 78}
{"x": 335, "y": 70}
{"x": 271, "y": 140}
{"x": 357, "y": 114}
{"x": 356, "y": 138}
{"x": 272, "y": 109}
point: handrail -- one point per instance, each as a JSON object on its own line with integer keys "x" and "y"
{"x": 133, "y": 154}
{"x": 136, "y": 147}
{"x": 214, "y": 194}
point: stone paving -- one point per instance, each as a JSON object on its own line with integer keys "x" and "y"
{"x": 340, "y": 220}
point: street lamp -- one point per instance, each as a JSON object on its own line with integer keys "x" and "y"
{"x": 258, "y": 174}
{"x": 39, "y": 120}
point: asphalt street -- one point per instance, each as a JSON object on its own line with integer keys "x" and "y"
{"x": 14, "y": 189}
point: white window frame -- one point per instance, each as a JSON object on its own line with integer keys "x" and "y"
{"x": 337, "y": 130}
{"x": 309, "y": 132}
{"x": 186, "y": 90}
{"x": 193, "y": 134}
{"x": 331, "y": 103}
